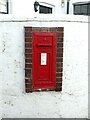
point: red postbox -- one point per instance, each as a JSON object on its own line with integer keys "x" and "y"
{"x": 44, "y": 60}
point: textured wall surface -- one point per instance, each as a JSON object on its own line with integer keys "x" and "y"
{"x": 22, "y": 8}
{"x": 72, "y": 102}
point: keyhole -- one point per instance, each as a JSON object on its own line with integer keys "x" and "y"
{"x": 41, "y": 68}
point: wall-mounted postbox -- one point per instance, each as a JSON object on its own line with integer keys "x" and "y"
{"x": 44, "y": 60}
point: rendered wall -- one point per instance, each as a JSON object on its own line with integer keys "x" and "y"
{"x": 3, "y": 6}
{"x": 26, "y": 8}
{"x": 72, "y": 102}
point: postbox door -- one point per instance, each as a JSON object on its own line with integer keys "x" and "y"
{"x": 44, "y": 60}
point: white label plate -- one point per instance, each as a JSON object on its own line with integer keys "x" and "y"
{"x": 43, "y": 58}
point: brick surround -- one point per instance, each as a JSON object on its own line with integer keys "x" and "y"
{"x": 28, "y": 56}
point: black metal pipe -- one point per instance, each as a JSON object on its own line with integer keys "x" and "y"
{"x": 7, "y": 8}
{"x": 67, "y": 7}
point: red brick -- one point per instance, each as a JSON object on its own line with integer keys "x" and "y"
{"x": 60, "y": 29}
{"x": 60, "y": 49}
{"x": 36, "y": 29}
{"x": 59, "y": 69}
{"x": 28, "y": 45}
{"x": 59, "y": 79}
{"x": 27, "y": 75}
{"x": 60, "y": 35}
{"x": 29, "y": 50}
{"x": 59, "y": 74}
{"x": 59, "y": 39}
{"x": 53, "y": 29}
{"x": 28, "y": 60}
{"x": 44, "y": 29}
{"x": 59, "y": 59}
{"x": 28, "y": 39}
{"x": 58, "y": 89}
{"x": 27, "y": 80}
{"x": 59, "y": 84}
{"x": 28, "y": 29}
{"x": 59, "y": 45}
{"x": 28, "y": 90}
{"x": 27, "y": 34}
{"x": 28, "y": 85}
{"x": 60, "y": 54}
{"x": 59, "y": 64}
{"x": 27, "y": 65}
{"x": 28, "y": 56}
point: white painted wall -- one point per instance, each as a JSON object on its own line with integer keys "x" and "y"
{"x": 24, "y": 8}
{"x": 72, "y": 102}
{"x": 3, "y": 7}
